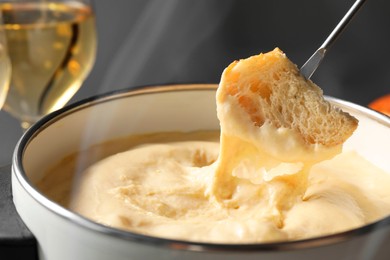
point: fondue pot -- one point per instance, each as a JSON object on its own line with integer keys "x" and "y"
{"x": 62, "y": 234}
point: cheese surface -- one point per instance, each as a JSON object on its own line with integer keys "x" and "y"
{"x": 165, "y": 190}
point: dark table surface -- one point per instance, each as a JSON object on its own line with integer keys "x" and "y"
{"x": 16, "y": 241}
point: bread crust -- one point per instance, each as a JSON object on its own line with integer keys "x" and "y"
{"x": 270, "y": 88}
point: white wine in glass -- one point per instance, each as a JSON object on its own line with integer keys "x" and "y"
{"x": 5, "y": 66}
{"x": 52, "y": 48}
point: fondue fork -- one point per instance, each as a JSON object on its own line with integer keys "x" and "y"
{"x": 314, "y": 61}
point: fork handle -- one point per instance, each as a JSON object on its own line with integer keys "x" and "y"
{"x": 314, "y": 61}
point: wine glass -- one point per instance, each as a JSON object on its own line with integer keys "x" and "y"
{"x": 52, "y": 48}
{"x": 5, "y": 66}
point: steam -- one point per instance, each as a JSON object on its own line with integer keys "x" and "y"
{"x": 191, "y": 21}
{"x": 157, "y": 23}
{"x": 157, "y": 12}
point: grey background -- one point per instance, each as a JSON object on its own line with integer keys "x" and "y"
{"x": 144, "y": 42}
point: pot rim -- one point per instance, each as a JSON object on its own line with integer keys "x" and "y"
{"x": 34, "y": 130}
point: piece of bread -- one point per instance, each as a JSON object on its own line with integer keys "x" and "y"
{"x": 270, "y": 88}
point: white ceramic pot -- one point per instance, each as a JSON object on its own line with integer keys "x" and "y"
{"x": 64, "y": 235}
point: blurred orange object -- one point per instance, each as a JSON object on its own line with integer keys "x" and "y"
{"x": 381, "y": 104}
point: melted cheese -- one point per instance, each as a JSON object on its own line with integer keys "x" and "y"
{"x": 164, "y": 190}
